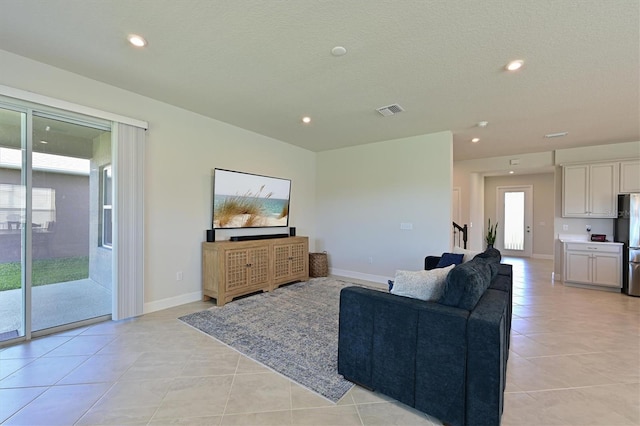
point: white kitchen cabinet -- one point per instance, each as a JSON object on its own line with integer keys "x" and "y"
{"x": 596, "y": 264}
{"x": 629, "y": 176}
{"x": 590, "y": 190}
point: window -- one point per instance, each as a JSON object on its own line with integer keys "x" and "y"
{"x": 106, "y": 236}
{"x": 12, "y": 202}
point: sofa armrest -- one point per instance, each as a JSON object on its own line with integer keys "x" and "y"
{"x": 430, "y": 262}
{"x": 487, "y": 358}
{"x": 504, "y": 282}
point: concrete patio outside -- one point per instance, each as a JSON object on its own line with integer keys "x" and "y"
{"x": 55, "y": 304}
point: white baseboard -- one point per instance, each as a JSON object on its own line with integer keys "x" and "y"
{"x": 359, "y": 275}
{"x": 542, "y": 256}
{"x": 170, "y": 302}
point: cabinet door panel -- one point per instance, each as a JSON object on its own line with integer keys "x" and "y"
{"x": 574, "y": 191}
{"x": 236, "y": 262}
{"x": 259, "y": 269}
{"x": 281, "y": 262}
{"x": 603, "y": 179}
{"x": 606, "y": 270}
{"x": 630, "y": 176}
{"x": 298, "y": 259}
{"x": 578, "y": 267}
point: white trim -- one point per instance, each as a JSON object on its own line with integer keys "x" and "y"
{"x": 170, "y": 302}
{"x": 592, "y": 287}
{"x": 69, "y": 106}
{"x": 359, "y": 275}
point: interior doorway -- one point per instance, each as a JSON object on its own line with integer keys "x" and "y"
{"x": 455, "y": 206}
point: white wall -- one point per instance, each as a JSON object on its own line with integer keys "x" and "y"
{"x": 364, "y": 193}
{"x": 182, "y": 149}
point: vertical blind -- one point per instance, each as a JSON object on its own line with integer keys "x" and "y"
{"x": 128, "y": 221}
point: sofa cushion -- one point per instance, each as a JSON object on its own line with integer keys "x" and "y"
{"x": 466, "y": 284}
{"x": 423, "y": 285}
{"x": 467, "y": 254}
{"x": 491, "y": 254}
{"x": 449, "y": 259}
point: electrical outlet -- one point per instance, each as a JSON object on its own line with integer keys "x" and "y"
{"x": 179, "y": 276}
{"x": 565, "y": 227}
{"x": 406, "y": 226}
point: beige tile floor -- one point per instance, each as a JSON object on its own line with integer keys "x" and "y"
{"x": 575, "y": 360}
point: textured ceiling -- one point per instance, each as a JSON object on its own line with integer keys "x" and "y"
{"x": 262, "y": 65}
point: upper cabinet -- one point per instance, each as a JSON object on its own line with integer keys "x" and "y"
{"x": 590, "y": 190}
{"x": 630, "y": 176}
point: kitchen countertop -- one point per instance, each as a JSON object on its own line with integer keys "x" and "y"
{"x": 570, "y": 238}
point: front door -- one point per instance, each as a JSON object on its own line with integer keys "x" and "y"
{"x": 515, "y": 215}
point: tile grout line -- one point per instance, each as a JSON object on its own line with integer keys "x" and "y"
{"x": 233, "y": 380}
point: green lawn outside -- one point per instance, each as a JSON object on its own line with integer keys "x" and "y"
{"x": 45, "y": 271}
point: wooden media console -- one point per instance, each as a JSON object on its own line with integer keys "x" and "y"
{"x": 235, "y": 268}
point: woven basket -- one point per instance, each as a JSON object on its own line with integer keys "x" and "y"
{"x": 318, "y": 265}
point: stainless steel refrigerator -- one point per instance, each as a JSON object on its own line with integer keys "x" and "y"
{"x": 627, "y": 231}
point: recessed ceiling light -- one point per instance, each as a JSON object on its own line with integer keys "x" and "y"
{"x": 511, "y": 172}
{"x": 556, "y": 135}
{"x": 475, "y": 140}
{"x": 306, "y": 120}
{"x": 137, "y": 40}
{"x": 483, "y": 124}
{"x": 44, "y": 142}
{"x": 338, "y": 51}
{"x": 47, "y": 128}
{"x": 514, "y": 65}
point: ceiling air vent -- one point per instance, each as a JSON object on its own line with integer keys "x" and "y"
{"x": 390, "y": 110}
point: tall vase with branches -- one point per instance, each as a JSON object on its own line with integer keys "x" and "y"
{"x": 490, "y": 238}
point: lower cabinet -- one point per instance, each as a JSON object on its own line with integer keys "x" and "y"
{"x": 246, "y": 268}
{"x": 290, "y": 262}
{"x": 235, "y": 268}
{"x": 596, "y": 264}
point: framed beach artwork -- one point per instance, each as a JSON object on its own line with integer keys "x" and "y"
{"x": 245, "y": 200}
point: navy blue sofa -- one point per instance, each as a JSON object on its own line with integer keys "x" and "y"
{"x": 445, "y": 358}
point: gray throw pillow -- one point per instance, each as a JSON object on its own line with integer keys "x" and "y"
{"x": 423, "y": 285}
{"x": 466, "y": 284}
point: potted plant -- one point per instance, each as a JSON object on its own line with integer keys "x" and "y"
{"x": 491, "y": 234}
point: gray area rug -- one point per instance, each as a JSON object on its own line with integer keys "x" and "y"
{"x": 292, "y": 330}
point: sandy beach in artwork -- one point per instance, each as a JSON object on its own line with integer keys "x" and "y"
{"x": 240, "y": 221}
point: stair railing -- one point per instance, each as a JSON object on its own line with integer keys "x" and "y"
{"x": 460, "y": 233}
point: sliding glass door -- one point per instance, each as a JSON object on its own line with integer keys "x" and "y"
{"x": 52, "y": 221}
{"x": 71, "y": 268}
{"x": 12, "y": 213}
